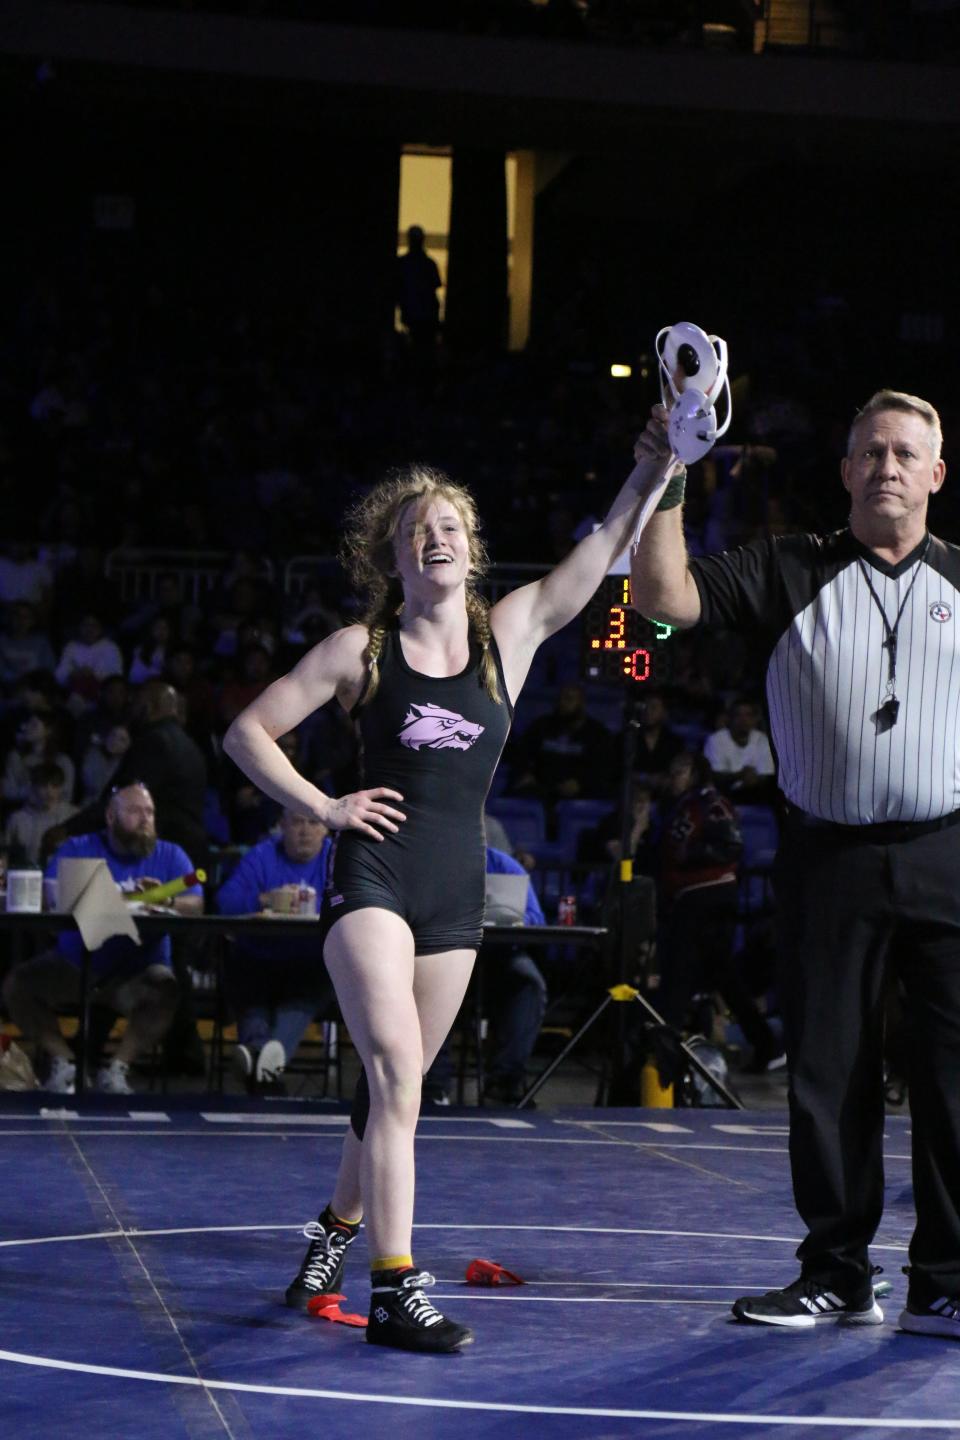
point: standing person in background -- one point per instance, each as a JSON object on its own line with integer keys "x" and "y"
{"x": 417, "y": 283}
{"x": 170, "y": 764}
{"x": 432, "y": 676}
{"x": 860, "y": 629}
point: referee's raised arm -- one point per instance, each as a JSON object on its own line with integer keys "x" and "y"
{"x": 661, "y": 585}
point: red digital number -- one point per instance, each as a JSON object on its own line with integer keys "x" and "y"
{"x": 636, "y": 665}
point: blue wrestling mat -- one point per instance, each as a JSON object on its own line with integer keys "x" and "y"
{"x": 144, "y": 1254}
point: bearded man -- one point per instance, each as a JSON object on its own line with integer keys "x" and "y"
{"x": 129, "y": 979}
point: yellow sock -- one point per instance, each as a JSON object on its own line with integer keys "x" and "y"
{"x": 391, "y": 1262}
{"x": 341, "y": 1221}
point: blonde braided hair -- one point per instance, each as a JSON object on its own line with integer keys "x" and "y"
{"x": 368, "y": 553}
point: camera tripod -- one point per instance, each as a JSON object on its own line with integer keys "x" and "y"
{"x": 621, "y": 994}
{"x": 624, "y": 993}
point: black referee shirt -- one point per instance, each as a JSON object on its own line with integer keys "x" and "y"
{"x": 806, "y": 602}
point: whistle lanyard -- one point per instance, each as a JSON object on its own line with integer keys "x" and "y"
{"x": 886, "y": 716}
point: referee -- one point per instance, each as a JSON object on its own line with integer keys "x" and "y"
{"x": 859, "y": 630}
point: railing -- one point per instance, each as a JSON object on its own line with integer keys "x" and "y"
{"x": 198, "y": 571}
{"x": 301, "y": 571}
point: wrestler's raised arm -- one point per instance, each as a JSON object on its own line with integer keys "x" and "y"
{"x": 527, "y": 616}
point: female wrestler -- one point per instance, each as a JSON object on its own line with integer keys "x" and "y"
{"x": 431, "y": 676}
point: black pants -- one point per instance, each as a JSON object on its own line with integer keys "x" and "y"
{"x": 847, "y": 910}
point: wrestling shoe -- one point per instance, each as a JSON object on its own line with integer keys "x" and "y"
{"x": 402, "y": 1316}
{"x": 807, "y": 1301}
{"x": 941, "y": 1317}
{"x": 322, "y": 1265}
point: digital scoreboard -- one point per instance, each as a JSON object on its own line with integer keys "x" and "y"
{"x": 619, "y": 644}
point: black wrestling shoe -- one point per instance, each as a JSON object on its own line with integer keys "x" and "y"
{"x": 402, "y": 1316}
{"x": 322, "y": 1267}
{"x": 806, "y": 1302}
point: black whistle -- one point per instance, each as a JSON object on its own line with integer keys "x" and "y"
{"x": 886, "y": 716}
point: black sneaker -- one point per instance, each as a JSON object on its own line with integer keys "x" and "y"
{"x": 244, "y": 1063}
{"x": 806, "y": 1302}
{"x": 402, "y": 1316}
{"x": 941, "y": 1317}
{"x": 322, "y": 1266}
{"x": 505, "y": 1090}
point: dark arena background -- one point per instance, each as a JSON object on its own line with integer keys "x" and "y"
{"x": 212, "y": 343}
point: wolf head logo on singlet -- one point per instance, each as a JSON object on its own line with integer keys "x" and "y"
{"x": 433, "y": 728}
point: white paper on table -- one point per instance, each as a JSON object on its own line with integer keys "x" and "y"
{"x": 87, "y": 891}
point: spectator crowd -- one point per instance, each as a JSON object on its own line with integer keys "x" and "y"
{"x": 190, "y": 467}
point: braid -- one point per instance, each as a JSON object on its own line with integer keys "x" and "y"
{"x": 378, "y": 621}
{"x": 478, "y": 613}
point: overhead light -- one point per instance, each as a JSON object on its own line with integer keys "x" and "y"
{"x": 621, "y": 372}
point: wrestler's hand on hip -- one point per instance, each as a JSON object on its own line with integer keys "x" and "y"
{"x": 365, "y": 810}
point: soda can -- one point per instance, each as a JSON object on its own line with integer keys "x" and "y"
{"x": 306, "y": 900}
{"x": 567, "y": 910}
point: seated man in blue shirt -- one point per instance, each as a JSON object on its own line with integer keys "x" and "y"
{"x": 275, "y": 985}
{"x": 130, "y": 979}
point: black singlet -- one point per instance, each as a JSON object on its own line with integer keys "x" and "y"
{"x": 437, "y": 742}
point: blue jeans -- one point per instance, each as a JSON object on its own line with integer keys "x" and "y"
{"x": 275, "y": 998}
{"x": 516, "y": 994}
{"x": 515, "y": 997}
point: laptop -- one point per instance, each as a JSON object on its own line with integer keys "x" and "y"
{"x": 506, "y": 899}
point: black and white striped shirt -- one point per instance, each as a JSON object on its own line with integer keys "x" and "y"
{"x": 806, "y": 602}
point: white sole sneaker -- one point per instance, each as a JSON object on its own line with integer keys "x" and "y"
{"x": 271, "y": 1062}
{"x": 873, "y": 1316}
{"x": 944, "y": 1323}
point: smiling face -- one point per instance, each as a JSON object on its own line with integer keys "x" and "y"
{"x": 432, "y": 547}
{"x": 890, "y": 472}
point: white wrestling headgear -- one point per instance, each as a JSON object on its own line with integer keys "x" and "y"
{"x": 693, "y": 376}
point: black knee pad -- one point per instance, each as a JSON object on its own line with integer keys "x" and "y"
{"x": 360, "y": 1109}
